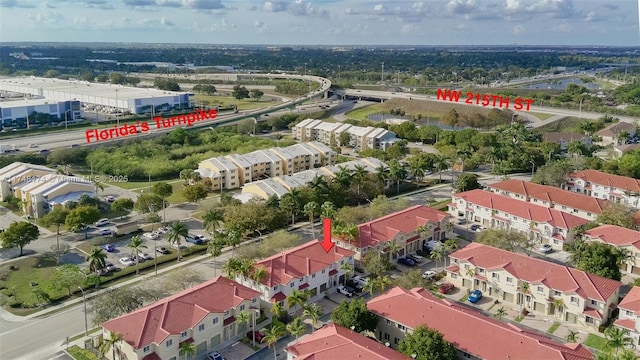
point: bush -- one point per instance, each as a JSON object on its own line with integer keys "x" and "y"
{"x": 602, "y": 328}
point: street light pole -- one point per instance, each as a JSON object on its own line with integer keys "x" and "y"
{"x": 66, "y": 121}
{"x": 533, "y": 167}
{"x": 84, "y": 301}
{"x": 260, "y": 233}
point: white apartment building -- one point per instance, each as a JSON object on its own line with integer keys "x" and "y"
{"x": 615, "y": 188}
{"x": 305, "y": 267}
{"x": 629, "y": 315}
{"x": 571, "y": 295}
{"x": 622, "y": 238}
{"x": 543, "y": 224}
{"x": 204, "y": 315}
{"x": 361, "y": 138}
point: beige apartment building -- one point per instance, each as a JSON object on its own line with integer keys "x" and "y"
{"x": 623, "y": 239}
{"x": 361, "y": 138}
{"x": 539, "y": 286}
{"x": 234, "y": 171}
{"x": 205, "y": 315}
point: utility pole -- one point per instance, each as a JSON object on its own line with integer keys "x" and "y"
{"x": 382, "y": 74}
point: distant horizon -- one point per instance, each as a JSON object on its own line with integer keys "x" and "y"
{"x": 325, "y": 22}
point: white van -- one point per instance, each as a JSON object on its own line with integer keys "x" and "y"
{"x": 102, "y": 222}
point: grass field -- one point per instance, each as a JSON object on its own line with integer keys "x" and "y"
{"x": 567, "y": 125}
{"x": 541, "y": 116}
{"x": 596, "y": 342}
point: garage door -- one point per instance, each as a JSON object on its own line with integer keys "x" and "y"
{"x": 201, "y": 348}
{"x": 215, "y": 341}
{"x": 508, "y": 297}
{"x": 571, "y": 318}
{"x": 466, "y": 283}
{"x": 635, "y": 270}
{"x": 538, "y": 307}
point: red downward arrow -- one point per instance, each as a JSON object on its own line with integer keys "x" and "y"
{"x": 327, "y": 244}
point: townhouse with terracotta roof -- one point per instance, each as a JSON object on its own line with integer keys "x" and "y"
{"x": 233, "y": 171}
{"x": 472, "y": 334}
{"x": 571, "y": 295}
{"x": 539, "y": 223}
{"x": 579, "y": 205}
{"x": 629, "y": 315}
{"x": 305, "y": 267}
{"x": 620, "y": 150}
{"x": 333, "y": 342}
{"x": 598, "y": 184}
{"x": 204, "y": 315}
{"x": 403, "y": 227}
{"x": 563, "y": 139}
{"x": 621, "y": 238}
{"x": 361, "y": 138}
{"x": 611, "y": 134}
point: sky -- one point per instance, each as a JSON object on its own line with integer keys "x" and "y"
{"x": 324, "y": 22}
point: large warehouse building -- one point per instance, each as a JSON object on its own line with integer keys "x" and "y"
{"x": 124, "y": 98}
{"x": 14, "y": 114}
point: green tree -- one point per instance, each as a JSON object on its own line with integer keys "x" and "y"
{"x": 397, "y": 173}
{"x": 122, "y": 205}
{"x": 214, "y": 247}
{"x": 354, "y": 313}
{"x": 116, "y": 302}
{"x": 311, "y": 210}
{"x": 243, "y": 319}
{"x": 277, "y": 309}
{"x": 67, "y": 276}
{"x": 467, "y": 181}
{"x": 163, "y": 190}
{"x": 187, "y": 349}
{"x": 572, "y": 336}
{"x": 600, "y": 259}
{"x": 376, "y": 264}
{"x": 136, "y": 245}
{"x": 427, "y": 344}
{"x": 296, "y": 327}
{"x": 56, "y": 217}
{"x": 313, "y": 313}
{"x": 109, "y": 343}
{"x": 553, "y": 174}
{"x": 194, "y": 193}
{"x": 81, "y": 217}
{"x": 240, "y": 92}
{"x": 290, "y": 202}
{"x": 148, "y": 203}
{"x": 507, "y": 240}
{"x": 296, "y": 298}
{"x": 344, "y": 138}
{"x": 617, "y": 214}
{"x": 97, "y": 259}
{"x": 348, "y": 268}
{"x": 272, "y": 334}
{"x": 327, "y": 210}
{"x": 617, "y": 339}
{"x": 256, "y": 94}
{"x": 232, "y": 267}
{"x": 441, "y": 164}
{"x": 500, "y": 313}
{"x": 19, "y": 234}
{"x": 212, "y": 220}
{"x": 177, "y": 233}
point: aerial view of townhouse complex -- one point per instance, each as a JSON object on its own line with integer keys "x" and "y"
{"x": 161, "y": 200}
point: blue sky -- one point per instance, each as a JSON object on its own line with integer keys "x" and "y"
{"x": 324, "y": 22}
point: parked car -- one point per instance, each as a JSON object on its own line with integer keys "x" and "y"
{"x": 214, "y": 355}
{"x": 109, "y": 247}
{"x": 102, "y": 222}
{"x": 181, "y": 246}
{"x": 446, "y": 288}
{"x": 461, "y": 221}
{"x": 255, "y": 335}
{"x": 345, "y": 290}
{"x": 127, "y": 261}
{"x": 151, "y": 235}
{"x": 417, "y": 258}
{"x": 474, "y": 227}
{"x": 429, "y": 275}
{"x": 109, "y": 198}
{"x": 406, "y": 261}
{"x": 360, "y": 280}
{"x": 481, "y": 228}
{"x": 106, "y": 232}
{"x": 475, "y": 296}
{"x": 545, "y": 249}
{"x": 194, "y": 240}
{"x": 163, "y": 250}
{"x": 357, "y": 287}
{"x": 145, "y": 256}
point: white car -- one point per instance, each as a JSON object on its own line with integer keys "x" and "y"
{"x": 109, "y": 198}
{"x": 181, "y": 246}
{"x": 429, "y": 275}
{"x": 545, "y": 249}
{"x": 102, "y": 222}
{"x": 106, "y": 232}
{"x": 127, "y": 261}
{"x": 362, "y": 281}
{"x": 146, "y": 256}
{"x": 151, "y": 235}
{"x": 348, "y": 292}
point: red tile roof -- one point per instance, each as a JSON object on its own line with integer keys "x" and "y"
{"x": 334, "y": 342}
{"x": 177, "y": 313}
{"x": 387, "y": 227}
{"x": 279, "y": 296}
{"x": 592, "y": 313}
{"x": 306, "y": 259}
{"x": 333, "y": 272}
{"x": 469, "y": 330}
{"x": 152, "y": 356}
{"x": 626, "y": 323}
{"x": 524, "y": 210}
{"x": 614, "y": 130}
{"x": 229, "y": 320}
{"x": 602, "y": 178}
{"x": 614, "y": 235}
{"x": 631, "y": 301}
{"x": 552, "y": 195}
{"x": 535, "y": 271}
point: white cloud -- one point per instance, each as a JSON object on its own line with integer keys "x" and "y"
{"x": 50, "y": 18}
{"x": 410, "y": 29}
{"x": 517, "y": 29}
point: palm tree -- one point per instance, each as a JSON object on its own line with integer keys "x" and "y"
{"x": 187, "y": 349}
{"x": 343, "y": 177}
{"x": 359, "y": 173}
{"x": 450, "y": 245}
{"x": 258, "y": 274}
{"x": 417, "y": 166}
{"x": 135, "y": 245}
{"x": 98, "y": 185}
{"x": 464, "y": 153}
{"x": 628, "y": 354}
{"x": 177, "y": 233}
{"x": 215, "y": 249}
{"x": 617, "y": 339}
{"x": 296, "y": 298}
{"x": 313, "y": 312}
{"x": 575, "y": 251}
{"x": 232, "y": 267}
{"x": 110, "y": 343}
{"x": 243, "y": 319}
{"x": 397, "y": 173}
{"x": 559, "y": 305}
{"x": 524, "y": 290}
{"x": 97, "y": 260}
{"x": 347, "y": 268}
{"x": 290, "y": 202}
{"x": 394, "y": 248}
{"x": 296, "y": 327}
{"x": 382, "y": 173}
{"x": 311, "y": 209}
{"x": 370, "y": 286}
{"x": 277, "y": 310}
{"x": 381, "y": 282}
{"x": 319, "y": 184}
{"x": 495, "y": 154}
{"x": 347, "y": 231}
{"x": 245, "y": 267}
{"x": 232, "y": 237}
{"x": 441, "y": 164}
{"x": 327, "y": 210}
{"x": 500, "y": 313}
{"x": 437, "y": 254}
{"x": 572, "y": 336}
{"x": 212, "y": 220}
{"x": 271, "y": 336}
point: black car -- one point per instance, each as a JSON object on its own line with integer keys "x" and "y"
{"x": 474, "y": 227}
{"x": 163, "y": 250}
{"x": 406, "y": 261}
{"x": 354, "y": 285}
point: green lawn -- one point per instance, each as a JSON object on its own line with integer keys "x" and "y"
{"x": 553, "y": 327}
{"x": 364, "y": 112}
{"x": 81, "y": 354}
{"x": 569, "y": 124}
{"x": 541, "y": 116}
{"x": 596, "y": 342}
